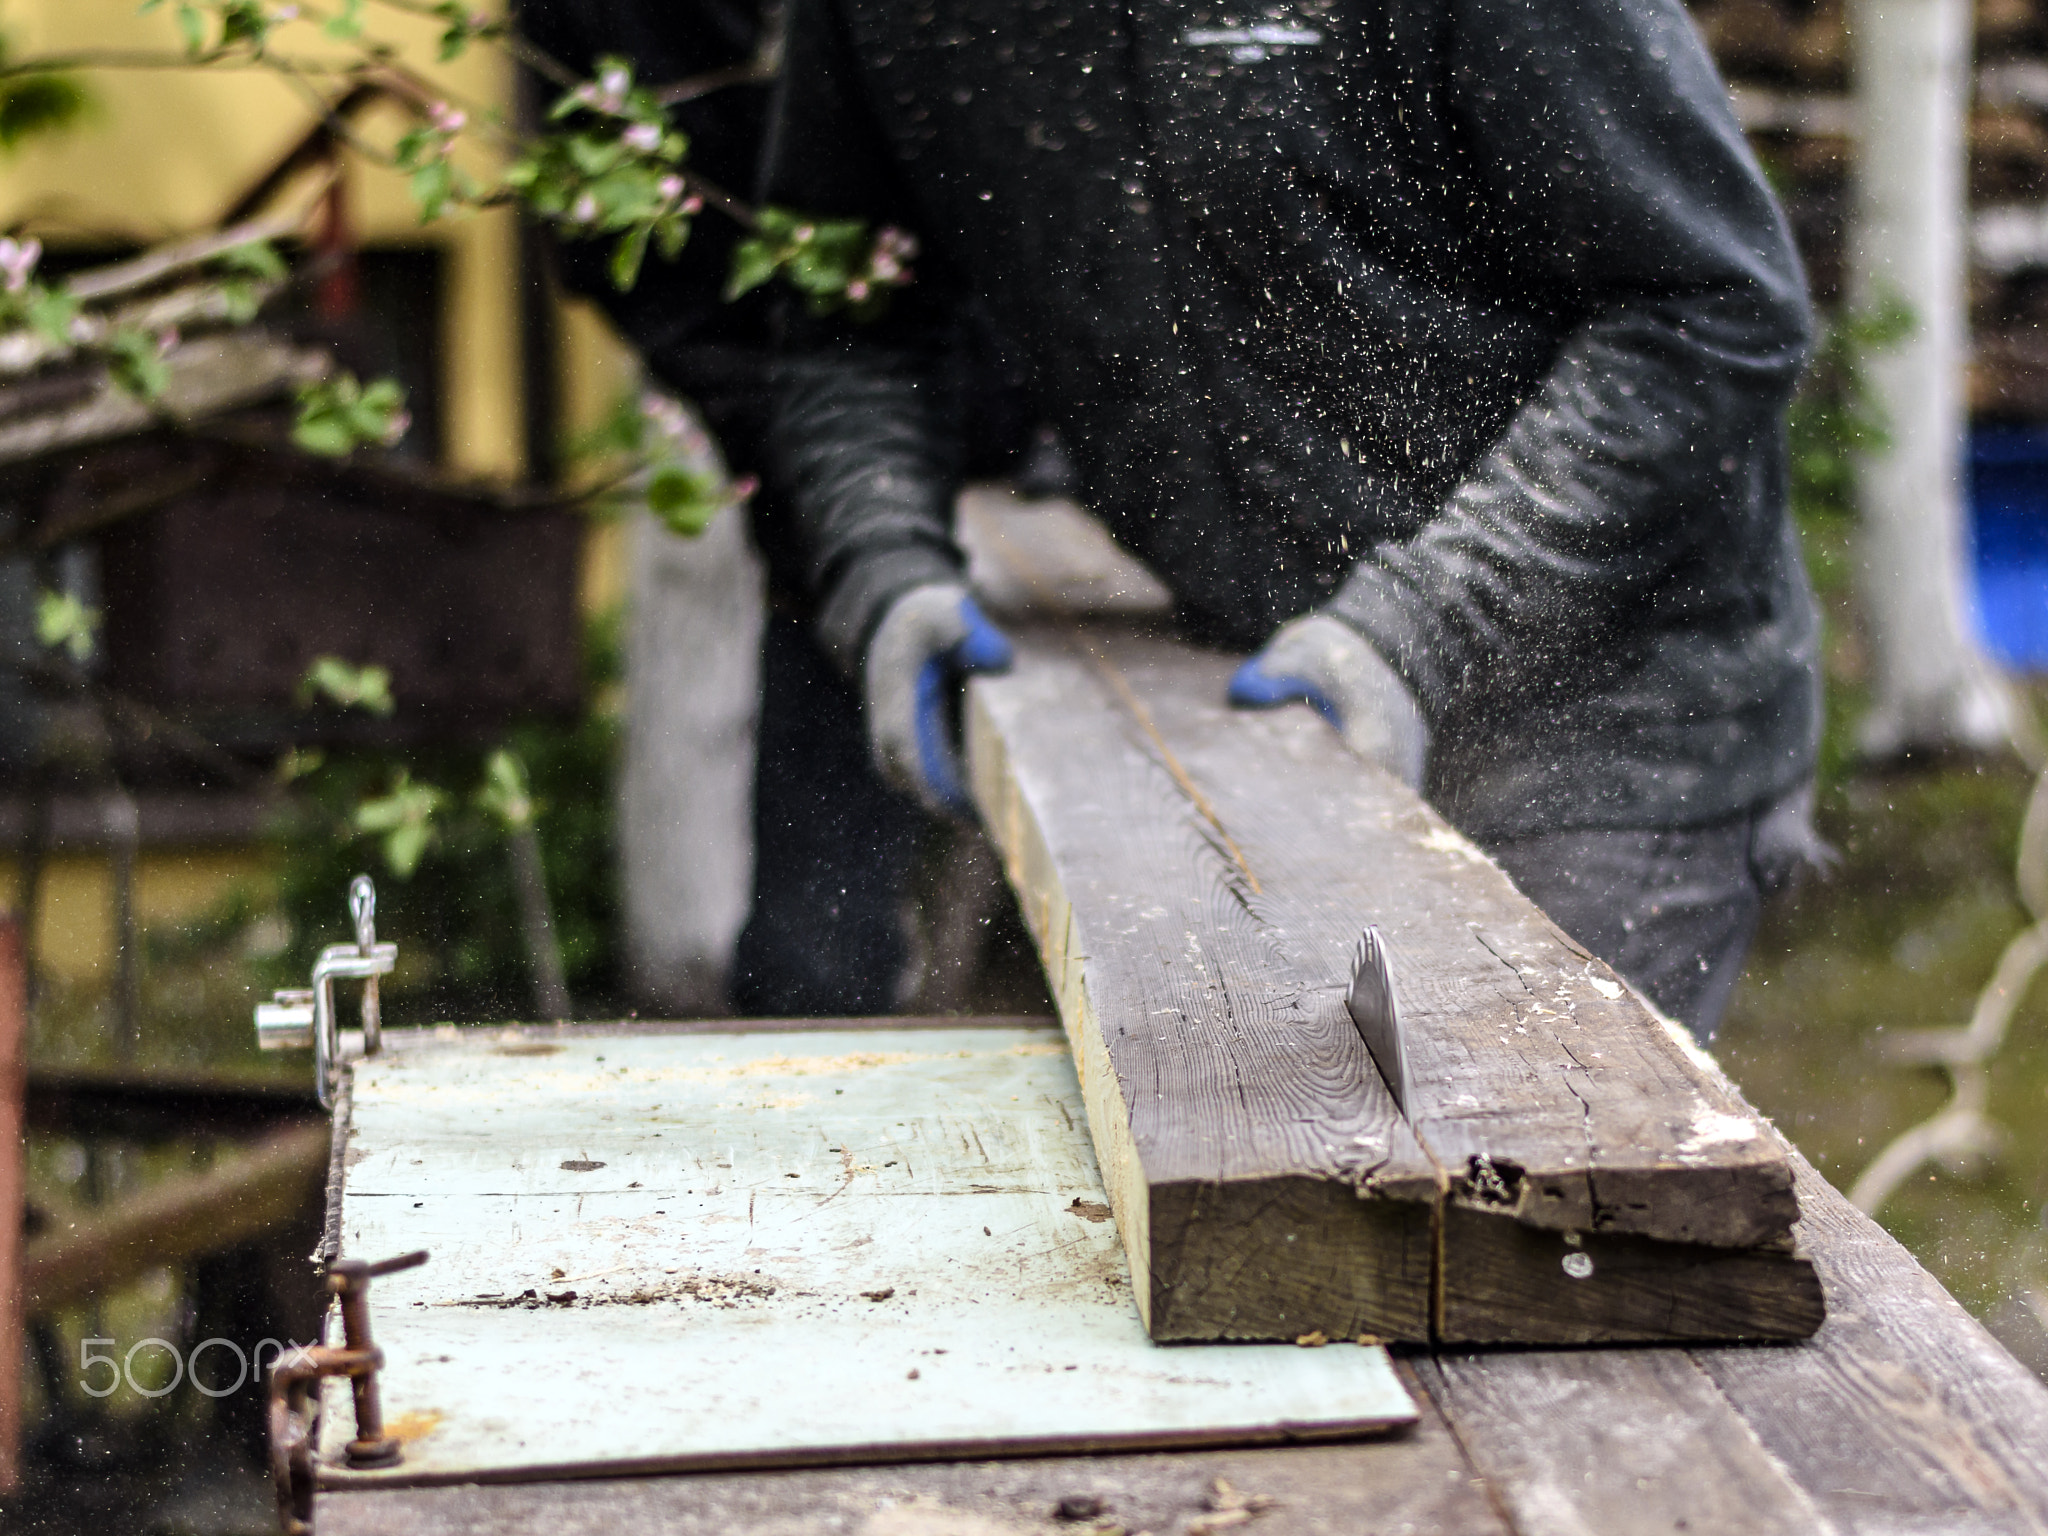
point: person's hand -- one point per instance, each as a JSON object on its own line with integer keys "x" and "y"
{"x": 1324, "y": 662}
{"x": 929, "y": 639}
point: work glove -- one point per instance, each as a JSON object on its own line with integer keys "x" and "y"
{"x": 1323, "y": 661}
{"x": 929, "y": 639}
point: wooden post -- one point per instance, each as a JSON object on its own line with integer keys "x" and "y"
{"x": 13, "y": 1075}
{"x": 1934, "y": 687}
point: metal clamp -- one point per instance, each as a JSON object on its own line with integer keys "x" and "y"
{"x": 299, "y": 1018}
{"x": 294, "y": 1393}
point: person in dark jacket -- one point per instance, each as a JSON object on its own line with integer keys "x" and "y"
{"x": 1435, "y": 350}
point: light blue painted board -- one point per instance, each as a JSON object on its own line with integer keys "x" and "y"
{"x": 795, "y": 1248}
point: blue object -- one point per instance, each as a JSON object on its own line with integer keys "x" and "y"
{"x": 1253, "y": 687}
{"x": 2009, "y": 542}
{"x": 984, "y": 649}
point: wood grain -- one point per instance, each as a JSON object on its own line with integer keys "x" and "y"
{"x": 1636, "y": 1441}
{"x": 1525, "y": 1051}
{"x": 1902, "y": 1413}
{"x": 1197, "y": 878}
{"x": 1217, "y": 1086}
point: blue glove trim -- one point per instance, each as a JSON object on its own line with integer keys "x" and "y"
{"x": 1253, "y": 687}
{"x": 986, "y": 648}
{"x": 935, "y": 755}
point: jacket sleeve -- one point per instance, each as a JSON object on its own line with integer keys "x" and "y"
{"x": 1603, "y": 144}
{"x": 864, "y": 436}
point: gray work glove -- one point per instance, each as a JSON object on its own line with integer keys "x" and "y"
{"x": 929, "y": 639}
{"x": 1324, "y": 662}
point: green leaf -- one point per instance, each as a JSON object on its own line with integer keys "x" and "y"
{"x": 405, "y": 819}
{"x": 347, "y": 23}
{"x": 258, "y": 258}
{"x": 63, "y": 621}
{"x": 506, "y": 793}
{"x": 338, "y": 415}
{"x": 350, "y": 687}
{"x": 326, "y": 436}
{"x": 685, "y": 499}
{"x": 431, "y": 186}
{"x": 627, "y": 257}
{"x": 51, "y": 311}
{"x": 192, "y": 27}
{"x": 755, "y": 261}
{"x": 241, "y": 299}
{"x": 37, "y": 105}
{"x": 136, "y": 361}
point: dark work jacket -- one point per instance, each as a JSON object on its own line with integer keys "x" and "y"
{"x": 1470, "y": 321}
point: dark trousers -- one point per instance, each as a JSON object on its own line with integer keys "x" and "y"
{"x": 833, "y": 848}
{"x": 1673, "y": 910}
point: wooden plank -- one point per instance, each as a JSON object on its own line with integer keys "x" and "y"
{"x": 707, "y": 1250}
{"x": 1197, "y": 928}
{"x": 247, "y": 1191}
{"x": 1419, "y": 1485}
{"x": 1902, "y": 1413}
{"x": 1223, "y": 1094}
{"x": 1636, "y": 1441}
{"x": 1049, "y": 558}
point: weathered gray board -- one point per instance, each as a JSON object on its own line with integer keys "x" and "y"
{"x": 667, "y": 1251}
{"x": 1569, "y": 1170}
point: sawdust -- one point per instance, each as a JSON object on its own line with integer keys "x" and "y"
{"x": 725, "y": 1291}
{"x": 1089, "y": 1210}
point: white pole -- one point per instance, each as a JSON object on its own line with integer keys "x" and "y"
{"x": 1933, "y": 686}
{"x": 686, "y": 785}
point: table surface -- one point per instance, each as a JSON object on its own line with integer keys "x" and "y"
{"x": 1901, "y": 1415}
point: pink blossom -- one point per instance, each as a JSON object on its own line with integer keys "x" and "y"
{"x": 612, "y": 86}
{"x": 643, "y": 138}
{"x": 884, "y": 268}
{"x": 447, "y": 119}
{"x": 743, "y": 489}
{"x": 693, "y": 205}
{"x": 670, "y": 188}
{"x": 803, "y": 234}
{"x": 285, "y": 13}
{"x": 18, "y": 260}
{"x": 857, "y": 290}
{"x": 166, "y": 341}
{"x": 584, "y": 210}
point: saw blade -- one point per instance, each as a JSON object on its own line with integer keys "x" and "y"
{"x": 1376, "y": 1014}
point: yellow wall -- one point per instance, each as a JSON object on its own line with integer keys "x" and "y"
{"x": 75, "y": 928}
